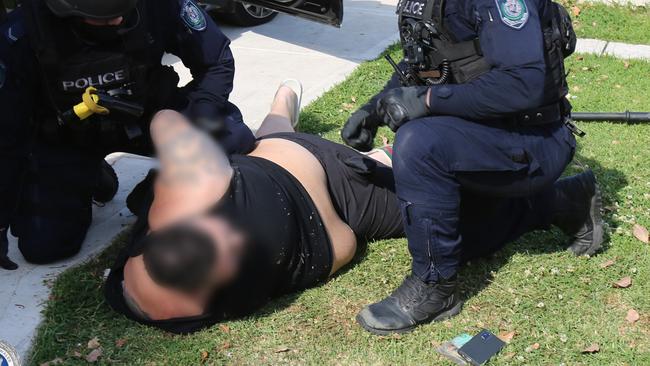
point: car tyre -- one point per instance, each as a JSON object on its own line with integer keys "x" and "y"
{"x": 248, "y": 15}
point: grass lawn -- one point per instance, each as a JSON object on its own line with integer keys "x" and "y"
{"x": 630, "y": 24}
{"x": 533, "y": 287}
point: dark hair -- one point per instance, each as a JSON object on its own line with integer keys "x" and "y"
{"x": 179, "y": 257}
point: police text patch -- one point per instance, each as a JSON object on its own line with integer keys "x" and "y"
{"x": 513, "y": 13}
{"x": 193, "y": 17}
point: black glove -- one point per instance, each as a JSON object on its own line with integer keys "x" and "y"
{"x": 401, "y": 105}
{"x": 360, "y": 129}
{"x": 5, "y": 262}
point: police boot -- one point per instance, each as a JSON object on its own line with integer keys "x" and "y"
{"x": 577, "y": 212}
{"x": 107, "y": 183}
{"x": 5, "y": 262}
{"x": 414, "y": 302}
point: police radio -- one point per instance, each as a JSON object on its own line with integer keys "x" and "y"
{"x": 419, "y": 34}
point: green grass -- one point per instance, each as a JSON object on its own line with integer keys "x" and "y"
{"x": 504, "y": 292}
{"x": 628, "y": 23}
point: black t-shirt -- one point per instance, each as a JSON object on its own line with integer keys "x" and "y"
{"x": 287, "y": 248}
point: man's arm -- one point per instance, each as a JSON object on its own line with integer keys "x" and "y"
{"x": 189, "y": 159}
{"x": 194, "y": 171}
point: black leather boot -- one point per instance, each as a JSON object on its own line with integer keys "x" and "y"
{"x": 577, "y": 212}
{"x": 5, "y": 262}
{"x": 414, "y": 302}
{"x": 107, "y": 183}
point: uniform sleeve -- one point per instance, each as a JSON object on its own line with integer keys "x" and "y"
{"x": 205, "y": 50}
{"x": 516, "y": 81}
{"x": 15, "y": 89}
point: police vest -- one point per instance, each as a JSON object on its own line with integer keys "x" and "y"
{"x": 432, "y": 53}
{"x": 69, "y": 64}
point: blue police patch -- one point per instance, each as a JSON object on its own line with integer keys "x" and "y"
{"x": 193, "y": 16}
{"x": 513, "y": 13}
{"x": 3, "y": 74}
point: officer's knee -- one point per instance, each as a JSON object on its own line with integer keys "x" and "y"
{"x": 418, "y": 140}
{"x": 49, "y": 243}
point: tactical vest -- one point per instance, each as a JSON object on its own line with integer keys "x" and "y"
{"x": 435, "y": 57}
{"x": 69, "y": 64}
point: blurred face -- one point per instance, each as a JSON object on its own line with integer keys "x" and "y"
{"x": 229, "y": 243}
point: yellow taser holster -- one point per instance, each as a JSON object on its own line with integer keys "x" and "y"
{"x": 90, "y": 105}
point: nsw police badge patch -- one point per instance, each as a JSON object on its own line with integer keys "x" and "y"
{"x": 193, "y": 17}
{"x": 514, "y": 13}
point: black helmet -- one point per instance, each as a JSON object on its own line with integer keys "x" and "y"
{"x": 94, "y": 9}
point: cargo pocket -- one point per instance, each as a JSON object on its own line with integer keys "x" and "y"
{"x": 507, "y": 159}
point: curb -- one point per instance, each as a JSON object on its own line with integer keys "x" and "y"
{"x": 616, "y": 49}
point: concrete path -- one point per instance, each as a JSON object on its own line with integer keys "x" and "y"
{"x": 616, "y": 49}
{"x": 318, "y": 55}
{"x": 622, "y": 2}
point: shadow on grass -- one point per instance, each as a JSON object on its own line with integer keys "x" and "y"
{"x": 477, "y": 274}
{"x": 313, "y": 123}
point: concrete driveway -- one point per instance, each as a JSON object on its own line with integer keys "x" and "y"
{"x": 318, "y": 55}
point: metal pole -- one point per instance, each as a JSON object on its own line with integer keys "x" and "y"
{"x": 628, "y": 117}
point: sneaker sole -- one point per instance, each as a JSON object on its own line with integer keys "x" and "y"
{"x": 597, "y": 231}
{"x": 455, "y": 310}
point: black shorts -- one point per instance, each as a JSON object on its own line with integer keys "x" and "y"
{"x": 362, "y": 189}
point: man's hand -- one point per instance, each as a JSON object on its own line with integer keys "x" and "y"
{"x": 5, "y": 262}
{"x": 401, "y": 105}
{"x": 360, "y": 129}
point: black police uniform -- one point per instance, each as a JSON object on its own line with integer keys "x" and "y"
{"x": 477, "y": 168}
{"x": 49, "y": 166}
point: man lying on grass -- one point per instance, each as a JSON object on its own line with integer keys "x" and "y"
{"x": 218, "y": 237}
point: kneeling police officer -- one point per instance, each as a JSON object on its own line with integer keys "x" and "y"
{"x": 483, "y": 135}
{"x": 82, "y": 78}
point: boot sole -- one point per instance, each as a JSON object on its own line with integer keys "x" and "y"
{"x": 597, "y": 230}
{"x": 455, "y": 310}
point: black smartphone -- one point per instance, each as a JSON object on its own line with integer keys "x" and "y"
{"x": 478, "y": 350}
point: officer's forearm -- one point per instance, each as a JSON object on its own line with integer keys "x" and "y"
{"x": 495, "y": 94}
{"x": 210, "y": 90}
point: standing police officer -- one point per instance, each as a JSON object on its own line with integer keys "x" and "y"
{"x": 480, "y": 145}
{"x": 80, "y": 79}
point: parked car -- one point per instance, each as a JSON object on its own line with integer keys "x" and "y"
{"x": 238, "y": 13}
{"x": 256, "y": 12}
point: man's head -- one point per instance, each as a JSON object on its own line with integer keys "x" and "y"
{"x": 97, "y": 21}
{"x": 194, "y": 257}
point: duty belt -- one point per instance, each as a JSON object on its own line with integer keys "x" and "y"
{"x": 539, "y": 116}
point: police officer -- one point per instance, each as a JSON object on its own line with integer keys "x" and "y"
{"x": 55, "y": 131}
{"x": 482, "y": 140}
